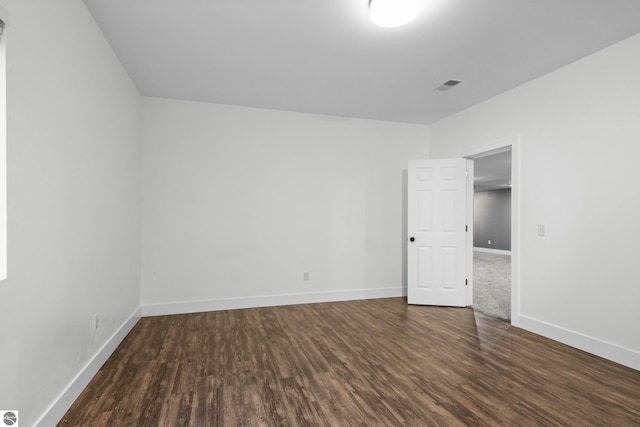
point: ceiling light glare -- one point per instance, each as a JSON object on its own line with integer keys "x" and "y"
{"x": 393, "y": 13}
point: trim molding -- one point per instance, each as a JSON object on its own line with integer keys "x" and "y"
{"x": 606, "y": 350}
{"x": 64, "y": 401}
{"x": 164, "y": 309}
{"x": 492, "y": 251}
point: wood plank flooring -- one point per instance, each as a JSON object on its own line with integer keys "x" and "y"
{"x": 358, "y": 363}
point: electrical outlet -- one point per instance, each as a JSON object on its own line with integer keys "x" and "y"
{"x": 96, "y": 321}
{"x": 305, "y": 275}
{"x": 489, "y": 242}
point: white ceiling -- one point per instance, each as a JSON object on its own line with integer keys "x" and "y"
{"x": 326, "y": 57}
{"x": 492, "y": 172}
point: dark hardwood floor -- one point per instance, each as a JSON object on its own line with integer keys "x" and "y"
{"x": 359, "y": 363}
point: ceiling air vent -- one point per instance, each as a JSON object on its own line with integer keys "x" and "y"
{"x": 448, "y": 85}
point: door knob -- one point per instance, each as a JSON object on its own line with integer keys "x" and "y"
{"x": 412, "y": 239}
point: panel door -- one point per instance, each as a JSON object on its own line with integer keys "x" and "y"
{"x": 437, "y": 243}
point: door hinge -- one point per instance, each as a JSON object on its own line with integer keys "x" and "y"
{"x": 466, "y": 174}
{"x": 466, "y": 228}
{"x": 466, "y": 282}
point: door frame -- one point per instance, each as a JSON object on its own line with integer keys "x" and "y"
{"x": 513, "y": 143}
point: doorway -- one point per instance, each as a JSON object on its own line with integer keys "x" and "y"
{"x": 494, "y": 263}
{"x": 492, "y": 235}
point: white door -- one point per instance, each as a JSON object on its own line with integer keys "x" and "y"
{"x": 437, "y": 243}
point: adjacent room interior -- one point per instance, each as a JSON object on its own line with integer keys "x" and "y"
{"x": 492, "y": 235}
{"x": 220, "y": 189}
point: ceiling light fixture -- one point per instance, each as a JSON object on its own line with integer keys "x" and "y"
{"x": 393, "y": 13}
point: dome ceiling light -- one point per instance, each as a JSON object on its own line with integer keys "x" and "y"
{"x": 393, "y": 13}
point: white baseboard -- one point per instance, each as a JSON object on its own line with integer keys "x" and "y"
{"x": 64, "y": 401}
{"x": 492, "y": 251}
{"x": 163, "y": 309}
{"x": 609, "y": 351}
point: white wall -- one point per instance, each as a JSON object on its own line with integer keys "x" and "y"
{"x": 580, "y": 141}
{"x": 73, "y": 196}
{"x": 239, "y": 202}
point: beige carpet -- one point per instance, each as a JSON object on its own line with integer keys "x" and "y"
{"x": 492, "y": 284}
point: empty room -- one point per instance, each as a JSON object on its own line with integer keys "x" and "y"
{"x": 261, "y": 213}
